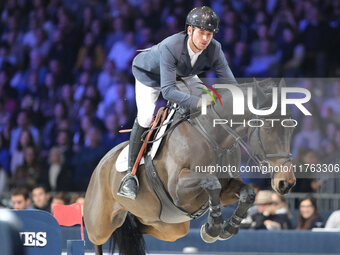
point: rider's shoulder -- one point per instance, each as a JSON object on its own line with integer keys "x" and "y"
{"x": 174, "y": 40}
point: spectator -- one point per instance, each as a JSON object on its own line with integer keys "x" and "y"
{"x": 333, "y": 222}
{"x": 308, "y": 216}
{"x": 120, "y": 90}
{"x": 41, "y": 199}
{"x": 48, "y": 96}
{"x": 67, "y": 96}
{"x": 93, "y": 50}
{"x": 64, "y": 143}
{"x": 112, "y": 137}
{"x": 6, "y": 58}
{"x": 229, "y": 39}
{"x": 292, "y": 54}
{"x": 51, "y": 127}
{"x": 262, "y": 35}
{"x": 98, "y": 33}
{"x": 29, "y": 39}
{"x": 24, "y": 123}
{"x": 80, "y": 86}
{"x": 264, "y": 65}
{"x": 171, "y": 27}
{"x": 240, "y": 60}
{"x": 315, "y": 36}
{"x": 117, "y": 33}
{"x": 4, "y": 115}
{"x": 57, "y": 69}
{"x": 60, "y": 198}
{"x": 57, "y": 176}
{"x": 86, "y": 160}
{"x": 79, "y": 198}
{"x": 20, "y": 199}
{"x": 106, "y": 77}
{"x": 3, "y": 180}
{"x": 60, "y": 51}
{"x": 307, "y": 182}
{"x": 25, "y": 140}
{"x": 337, "y": 139}
{"x": 265, "y": 218}
{"x": 8, "y": 94}
{"x": 28, "y": 173}
{"x": 16, "y": 51}
{"x": 122, "y": 110}
{"x": 86, "y": 18}
{"x": 282, "y": 214}
{"x": 5, "y": 157}
{"x": 123, "y": 51}
{"x": 309, "y": 136}
{"x": 331, "y": 106}
{"x": 41, "y": 44}
{"x": 283, "y": 19}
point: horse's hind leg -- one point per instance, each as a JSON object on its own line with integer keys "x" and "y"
{"x": 102, "y": 214}
{"x": 247, "y": 197}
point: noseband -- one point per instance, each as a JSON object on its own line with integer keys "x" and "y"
{"x": 263, "y": 158}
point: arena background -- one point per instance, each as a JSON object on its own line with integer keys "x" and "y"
{"x": 66, "y": 86}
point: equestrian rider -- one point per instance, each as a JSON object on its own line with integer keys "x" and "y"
{"x": 184, "y": 54}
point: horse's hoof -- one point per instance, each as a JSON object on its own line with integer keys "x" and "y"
{"x": 225, "y": 235}
{"x": 206, "y": 237}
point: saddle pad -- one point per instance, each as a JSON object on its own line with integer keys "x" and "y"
{"x": 122, "y": 160}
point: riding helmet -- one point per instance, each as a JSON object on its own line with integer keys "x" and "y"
{"x": 204, "y": 18}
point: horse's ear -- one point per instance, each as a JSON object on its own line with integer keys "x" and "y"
{"x": 282, "y": 83}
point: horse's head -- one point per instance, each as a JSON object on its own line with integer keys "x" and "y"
{"x": 271, "y": 143}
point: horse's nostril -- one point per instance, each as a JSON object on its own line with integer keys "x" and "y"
{"x": 282, "y": 185}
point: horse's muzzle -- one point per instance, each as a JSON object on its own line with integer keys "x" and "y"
{"x": 285, "y": 186}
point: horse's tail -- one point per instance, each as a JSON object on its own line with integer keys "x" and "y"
{"x": 128, "y": 237}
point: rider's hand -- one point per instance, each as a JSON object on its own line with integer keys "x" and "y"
{"x": 209, "y": 102}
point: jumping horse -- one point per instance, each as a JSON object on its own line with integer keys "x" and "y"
{"x": 193, "y": 142}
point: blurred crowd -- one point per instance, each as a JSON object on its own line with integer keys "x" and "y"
{"x": 271, "y": 212}
{"x": 66, "y": 87}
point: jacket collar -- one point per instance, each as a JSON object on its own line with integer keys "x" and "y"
{"x": 202, "y": 58}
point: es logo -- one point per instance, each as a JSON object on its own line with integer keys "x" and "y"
{"x": 33, "y": 238}
{"x": 238, "y": 100}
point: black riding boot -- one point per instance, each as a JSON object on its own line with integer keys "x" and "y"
{"x": 129, "y": 184}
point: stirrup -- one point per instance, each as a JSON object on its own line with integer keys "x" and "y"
{"x": 122, "y": 182}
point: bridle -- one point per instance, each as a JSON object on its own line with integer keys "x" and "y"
{"x": 259, "y": 159}
{"x": 266, "y": 155}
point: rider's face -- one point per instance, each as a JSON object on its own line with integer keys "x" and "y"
{"x": 199, "y": 39}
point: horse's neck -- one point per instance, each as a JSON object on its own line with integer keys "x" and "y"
{"x": 218, "y": 118}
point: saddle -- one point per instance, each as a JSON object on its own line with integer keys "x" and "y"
{"x": 152, "y": 139}
{"x": 155, "y": 126}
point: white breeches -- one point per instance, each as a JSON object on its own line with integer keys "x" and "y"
{"x": 146, "y": 98}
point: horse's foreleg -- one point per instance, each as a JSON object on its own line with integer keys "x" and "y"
{"x": 212, "y": 229}
{"x": 230, "y": 227}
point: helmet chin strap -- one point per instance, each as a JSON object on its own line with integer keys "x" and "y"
{"x": 192, "y": 38}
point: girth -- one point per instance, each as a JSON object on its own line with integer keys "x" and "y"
{"x": 169, "y": 212}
